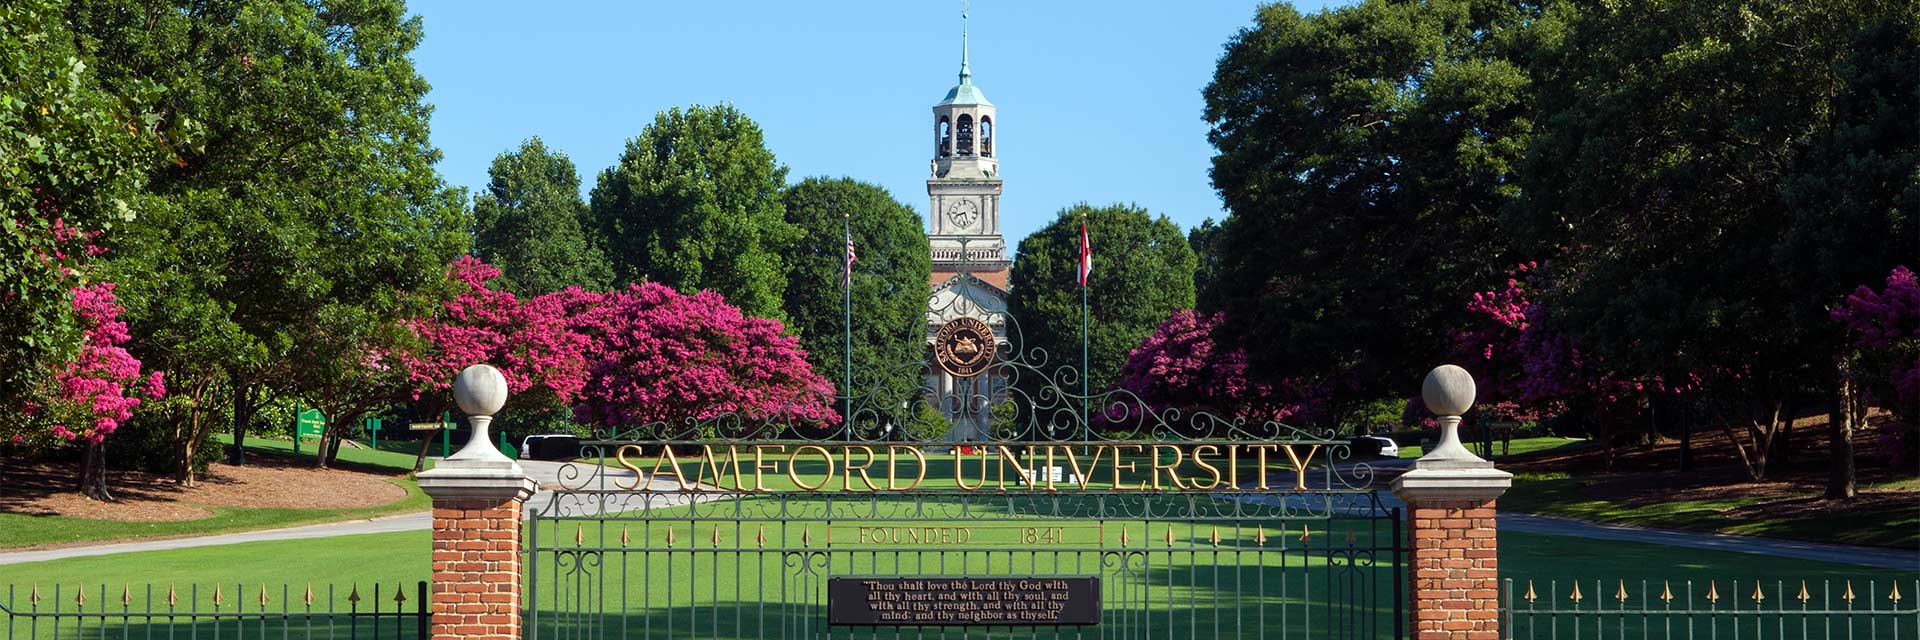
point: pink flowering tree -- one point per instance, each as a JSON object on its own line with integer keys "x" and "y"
{"x": 646, "y": 356}
{"x": 1185, "y": 371}
{"x": 1526, "y": 371}
{"x": 695, "y": 365}
{"x": 1884, "y": 327}
{"x": 531, "y": 343}
{"x": 86, "y": 399}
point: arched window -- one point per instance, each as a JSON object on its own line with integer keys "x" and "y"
{"x": 986, "y": 136}
{"x": 965, "y": 133}
{"x": 946, "y": 137}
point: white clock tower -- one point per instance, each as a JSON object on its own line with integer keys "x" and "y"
{"x": 964, "y": 189}
{"x": 970, "y": 260}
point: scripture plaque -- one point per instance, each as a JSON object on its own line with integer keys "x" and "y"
{"x": 964, "y": 347}
{"x": 956, "y": 601}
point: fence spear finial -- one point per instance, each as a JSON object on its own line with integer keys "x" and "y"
{"x": 1803, "y": 592}
{"x": 1895, "y": 595}
{"x": 1621, "y": 595}
{"x": 1848, "y": 596}
{"x": 1666, "y": 591}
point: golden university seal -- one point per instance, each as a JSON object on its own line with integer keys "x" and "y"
{"x": 964, "y": 347}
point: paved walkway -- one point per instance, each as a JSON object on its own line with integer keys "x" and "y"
{"x": 547, "y": 474}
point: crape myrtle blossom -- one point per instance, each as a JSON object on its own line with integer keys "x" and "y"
{"x": 99, "y": 389}
{"x": 1885, "y": 328}
{"x": 1184, "y": 365}
{"x": 644, "y": 354}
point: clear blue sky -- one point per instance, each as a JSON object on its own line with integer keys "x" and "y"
{"x": 1098, "y": 101}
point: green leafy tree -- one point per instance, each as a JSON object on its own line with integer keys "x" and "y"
{"x": 1142, "y": 273}
{"x": 1205, "y": 241}
{"x": 307, "y": 214}
{"x": 1855, "y": 206}
{"x": 694, "y": 203}
{"x": 528, "y": 224}
{"x": 1363, "y": 153}
{"x": 889, "y": 293}
{"x": 72, "y": 154}
{"x": 1717, "y": 177}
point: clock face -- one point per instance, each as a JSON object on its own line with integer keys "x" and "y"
{"x": 963, "y": 213}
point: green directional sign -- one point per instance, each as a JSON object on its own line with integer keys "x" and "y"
{"x": 309, "y": 424}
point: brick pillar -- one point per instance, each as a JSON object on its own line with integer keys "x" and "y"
{"x": 1455, "y": 569}
{"x": 476, "y": 566}
{"x": 1455, "y": 549}
{"x": 477, "y": 510}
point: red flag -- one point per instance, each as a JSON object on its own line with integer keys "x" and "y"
{"x": 1086, "y": 256}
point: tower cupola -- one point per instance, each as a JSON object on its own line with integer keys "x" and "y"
{"x": 963, "y": 124}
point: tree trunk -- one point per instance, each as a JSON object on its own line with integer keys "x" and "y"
{"x": 184, "y": 474}
{"x": 421, "y": 460}
{"x": 1840, "y": 482}
{"x": 93, "y": 472}
{"x": 243, "y": 411}
{"x": 320, "y": 448}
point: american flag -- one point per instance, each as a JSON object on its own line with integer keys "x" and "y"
{"x": 846, "y": 276}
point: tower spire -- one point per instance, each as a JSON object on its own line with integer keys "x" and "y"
{"x": 966, "y": 72}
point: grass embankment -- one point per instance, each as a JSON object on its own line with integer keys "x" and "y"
{"x": 1519, "y": 446}
{"x": 1558, "y": 494}
{"x": 393, "y": 455}
{"x": 19, "y": 530}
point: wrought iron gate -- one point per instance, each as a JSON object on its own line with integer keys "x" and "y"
{"x": 989, "y": 462}
{"x": 608, "y": 561}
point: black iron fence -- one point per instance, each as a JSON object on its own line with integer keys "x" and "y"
{"x": 233, "y": 612}
{"x": 1734, "y": 609}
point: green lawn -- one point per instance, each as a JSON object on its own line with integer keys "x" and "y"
{"x": 726, "y": 590}
{"x": 1559, "y": 495}
{"x": 1518, "y": 446}
{"x": 393, "y": 455}
{"x": 22, "y": 530}
{"x": 737, "y": 569}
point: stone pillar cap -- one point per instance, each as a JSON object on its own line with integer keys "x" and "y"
{"x": 1451, "y": 484}
{"x": 454, "y": 482}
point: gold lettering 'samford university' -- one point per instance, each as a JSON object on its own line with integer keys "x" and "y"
{"x": 1109, "y": 466}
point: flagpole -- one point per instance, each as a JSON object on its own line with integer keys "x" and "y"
{"x": 846, "y": 411}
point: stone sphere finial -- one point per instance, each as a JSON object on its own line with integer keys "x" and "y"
{"x": 1448, "y": 390}
{"x": 480, "y": 390}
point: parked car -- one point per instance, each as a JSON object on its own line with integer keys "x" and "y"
{"x": 552, "y": 446}
{"x": 1364, "y": 447}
